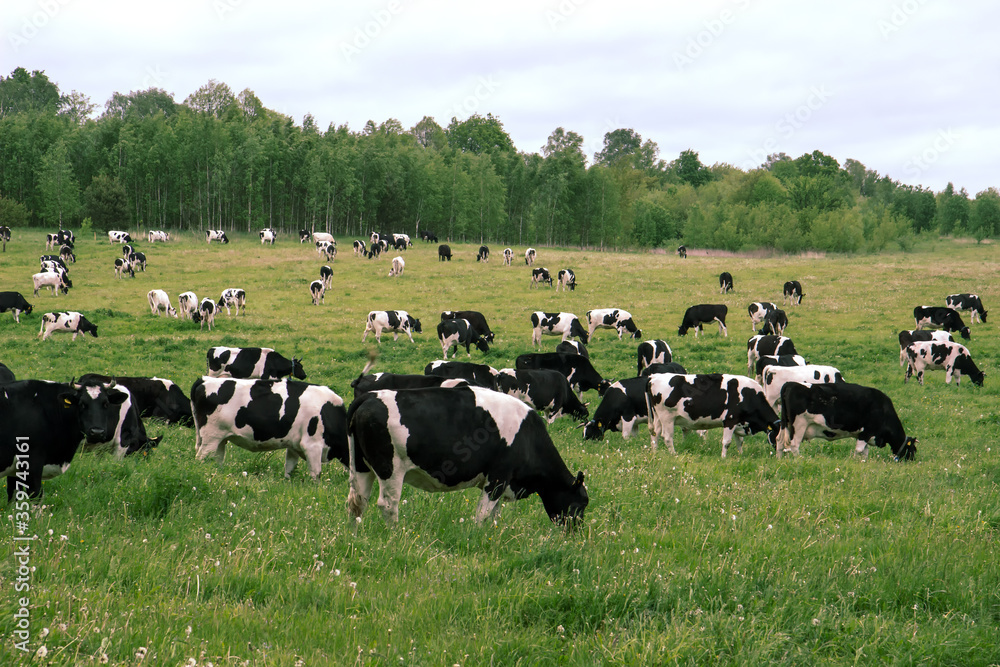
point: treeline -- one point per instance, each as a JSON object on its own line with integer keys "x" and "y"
{"x": 220, "y": 160}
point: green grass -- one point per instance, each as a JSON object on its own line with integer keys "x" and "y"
{"x": 687, "y": 559}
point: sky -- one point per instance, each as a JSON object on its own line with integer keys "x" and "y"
{"x": 907, "y": 87}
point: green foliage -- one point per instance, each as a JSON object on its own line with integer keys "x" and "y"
{"x": 984, "y": 218}
{"x": 477, "y": 134}
{"x": 690, "y": 169}
{"x": 12, "y": 213}
{"x": 58, "y": 187}
{"x": 107, "y": 205}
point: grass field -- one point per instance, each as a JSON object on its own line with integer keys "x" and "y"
{"x": 687, "y": 559}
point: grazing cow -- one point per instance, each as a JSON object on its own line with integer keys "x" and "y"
{"x": 43, "y": 426}
{"x": 160, "y": 300}
{"x": 483, "y": 255}
{"x": 444, "y": 252}
{"x": 766, "y": 360}
{"x": 478, "y": 375}
{"x": 304, "y": 235}
{"x": 697, "y": 316}
{"x": 66, "y": 322}
{"x": 444, "y": 439}
{"x": 669, "y": 367}
{"x": 261, "y": 363}
{"x": 364, "y": 384}
{"x": 841, "y": 410}
{"x": 359, "y": 247}
{"x": 430, "y": 237}
{"x": 508, "y": 256}
{"x": 51, "y": 241}
{"x": 622, "y": 408}
{"x": 119, "y": 237}
{"x": 941, "y": 317}
{"x": 792, "y": 292}
{"x": 758, "y": 310}
{"x": 475, "y": 318}
{"x": 652, "y": 352}
{"x": 267, "y": 236}
{"x": 127, "y": 251}
{"x": 233, "y": 297}
{"x": 308, "y": 421}
{"x": 725, "y": 282}
{"x": 155, "y": 236}
{"x": 529, "y": 256}
{"x": 326, "y": 249}
{"x": 154, "y": 398}
{"x": 396, "y": 321}
{"x": 775, "y": 323}
{"x": 6, "y": 375}
{"x": 54, "y": 267}
{"x": 401, "y": 241}
{"x": 397, "y": 266}
{"x": 216, "y": 235}
{"x": 317, "y": 289}
{"x": 66, "y": 254}
{"x": 971, "y": 302}
{"x": 540, "y": 275}
{"x": 566, "y": 325}
{"x": 565, "y": 279}
{"x": 455, "y": 333}
{"x": 138, "y": 259}
{"x": 775, "y": 378}
{"x": 734, "y": 402}
{"x": 206, "y": 313}
{"x": 577, "y": 370}
{"x": 612, "y": 318}
{"x": 66, "y": 237}
{"x": 53, "y": 281}
{"x": 573, "y": 347}
{"x": 933, "y": 355}
{"x": 544, "y": 390}
{"x": 14, "y": 302}
{"x": 907, "y": 337}
{"x": 759, "y": 345}
{"x": 324, "y": 237}
{"x": 375, "y": 238}
{"x": 187, "y": 304}
{"x": 682, "y": 251}
{"x": 375, "y": 251}
{"x": 326, "y": 275}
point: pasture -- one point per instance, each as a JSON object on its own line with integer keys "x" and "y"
{"x": 687, "y": 559}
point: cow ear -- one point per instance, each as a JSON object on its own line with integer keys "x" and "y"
{"x": 579, "y": 479}
{"x": 69, "y": 399}
{"x": 117, "y": 398}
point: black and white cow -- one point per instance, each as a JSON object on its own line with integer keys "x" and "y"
{"x": 566, "y": 279}
{"x": 375, "y": 238}
{"x": 54, "y": 282}
{"x": 483, "y": 255}
{"x": 841, "y": 410}
{"x": 696, "y": 317}
{"x": 682, "y": 251}
{"x": 304, "y": 235}
{"x": 573, "y": 347}
{"x": 759, "y": 345}
{"x": 455, "y": 333}
{"x": 775, "y": 323}
{"x": 123, "y": 265}
{"x": 652, "y": 352}
{"x": 155, "y": 235}
{"x": 206, "y": 313}
{"x": 445, "y": 439}
{"x": 508, "y": 256}
{"x": 444, "y": 252}
{"x": 766, "y": 360}
{"x": 540, "y": 275}
{"x": 401, "y": 241}
{"x": 792, "y": 292}
{"x": 51, "y": 241}
{"x": 941, "y": 317}
{"x": 116, "y": 236}
{"x": 326, "y": 249}
{"x": 775, "y": 377}
{"x": 359, "y": 247}
{"x": 216, "y": 235}
{"x": 43, "y": 426}
{"x": 669, "y": 367}
{"x": 933, "y": 355}
{"x": 725, "y": 282}
{"x": 317, "y": 289}
{"x": 566, "y": 325}
{"x": 376, "y": 249}
{"x": 907, "y": 337}
{"x": 160, "y": 301}
{"x": 268, "y": 235}
{"x": 622, "y": 408}
{"x": 66, "y": 322}
{"x": 127, "y": 250}
{"x": 396, "y": 321}
{"x": 308, "y": 421}
{"x": 398, "y": 265}
{"x": 529, "y": 256}
{"x": 66, "y": 237}
{"x": 326, "y": 275}
{"x": 233, "y": 297}
{"x": 576, "y": 369}
{"x": 52, "y": 264}
{"x": 128, "y": 433}
{"x": 733, "y": 402}
{"x": 187, "y": 305}
{"x": 5, "y": 236}
{"x": 972, "y": 302}
{"x": 14, "y": 302}
{"x": 367, "y": 383}
{"x": 758, "y": 310}
{"x": 479, "y": 375}
{"x": 324, "y": 237}
{"x": 612, "y": 318}
{"x": 66, "y": 254}
{"x": 261, "y": 363}
{"x": 475, "y": 318}
{"x": 544, "y": 390}
{"x": 155, "y": 398}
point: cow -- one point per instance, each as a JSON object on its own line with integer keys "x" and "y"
{"x": 5, "y": 236}
{"x": 792, "y": 292}
{"x": 115, "y": 236}
{"x": 326, "y": 249}
{"x": 933, "y": 355}
{"x": 14, "y": 302}
{"x": 478, "y": 375}
{"x": 652, "y": 352}
{"x": 320, "y": 237}
{"x": 759, "y": 345}
{"x": 622, "y": 408}
{"x": 55, "y": 266}
{"x": 206, "y": 313}
{"x": 444, "y": 252}
{"x": 841, "y": 410}
{"x": 375, "y": 238}
{"x": 775, "y": 377}
{"x": 573, "y": 347}
{"x": 577, "y": 369}
{"x": 758, "y": 310}
{"x": 455, "y": 333}
{"x": 483, "y": 255}
{"x": 566, "y": 325}
{"x": 733, "y": 402}
{"x": 122, "y": 265}
{"x": 375, "y": 251}
{"x": 153, "y": 398}
{"x": 508, "y": 256}
{"x": 682, "y": 251}
{"x": 127, "y": 251}
{"x": 401, "y": 241}
{"x": 444, "y": 439}
{"x": 544, "y": 390}
{"x": 669, "y": 367}
{"x": 66, "y": 322}
{"x": 43, "y": 426}
{"x": 308, "y": 421}
{"x": 233, "y": 297}
{"x": 127, "y": 432}
{"x": 160, "y": 301}
{"x": 66, "y": 237}
{"x": 475, "y": 318}
{"x": 398, "y": 264}
{"x": 53, "y": 281}
{"x": 261, "y": 363}
{"x": 697, "y": 316}
{"x": 51, "y": 241}
{"x": 971, "y": 302}
{"x": 66, "y": 254}
{"x": 906, "y": 337}
{"x": 187, "y": 304}
{"x": 612, "y": 318}
{"x": 216, "y": 235}
{"x": 326, "y": 276}
{"x": 566, "y": 279}
{"x": 429, "y": 237}
{"x": 540, "y": 275}
{"x": 396, "y": 321}
{"x": 6, "y": 375}
{"x": 368, "y": 383}
{"x": 304, "y": 235}
{"x": 529, "y": 256}
{"x": 766, "y": 360}
{"x": 267, "y": 236}
{"x": 725, "y": 282}
{"x": 941, "y": 317}
{"x": 359, "y": 247}
{"x": 775, "y": 323}
{"x": 317, "y": 289}
{"x": 155, "y": 236}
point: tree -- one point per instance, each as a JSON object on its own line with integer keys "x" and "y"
{"x": 60, "y": 193}
{"x": 76, "y": 106}
{"x": 690, "y": 170}
{"x": 22, "y": 92}
{"x": 213, "y": 98}
{"x": 106, "y": 203}
{"x": 984, "y": 218}
{"x": 429, "y": 134}
{"x": 477, "y": 134}
{"x": 12, "y": 213}
{"x": 952, "y": 210}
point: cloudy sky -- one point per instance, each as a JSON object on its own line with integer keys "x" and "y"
{"x": 908, "y": 87}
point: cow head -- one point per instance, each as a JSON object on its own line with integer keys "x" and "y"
{"x": 415, "y": 325}
{"x": 682, "y": 330}
{"x": 480, "y": 342}
{"x": 908, "y": 451}
{"x": 593, "y": 430}
{"x": 577, "y": 331}
{"x": 297, "y": 371}
{"x": 196, "y": 316}
{"x": 603, "y": 386}
{"x": 86, "y": 326}
{"x": 566, "y": 506}
{"x": 65, "y": 284}
{"x": 966, "y": 333}
{"x": 97, "y": 410}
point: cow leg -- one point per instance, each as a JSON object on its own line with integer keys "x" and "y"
{"x": 389, "y": 492}
{"x": 728, "y": 434}
{"x": 536, "y": 337}
{"x": 861, "y": 448}
{"x": 291, "y": 460}
{"x": 409, "y": 332}
{"x": 949, "y": 371}
{"x": 395, "y": 335}
{"x": 909, "y": 372}
{"x": 722, "y": 328}
{"x": 487, "y": 508}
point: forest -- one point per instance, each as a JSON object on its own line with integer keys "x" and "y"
{"x": 221, "y": 160}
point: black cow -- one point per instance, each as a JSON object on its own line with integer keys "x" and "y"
{"x": 652, "y": 352}
{"x": 66, "y": 237}
{"x": 775, "y": 323}
{"x": 971, "y": 302}
{"x": 573, "y": 347}
{"x": 578, "y": 370}
{"x": 448, "y": 439}
{"x": 792, "y": 292}
{"x": 542, "y": 389}
{"x": 444, "y": 252}
{"x": 128, "y": 434}
{"x": 759, "y": 345}
{"x": 669, "y": 367}
{"x": 14, "y": 302}
{"x": 941, "y": 317}
{"x": 367, "y": 383}
{"x": 483, "y": 255}
{"x": 475, "y": 318}
{"x": 622, "y": 408}
{"x": 725, "y": 282}
{"x": 455, "y": 333}
{"x": 697, "y": 316}
{"x": 480, "y": 375}
{"x": 682, "y": 251}
{"x": 430, "y": 237}
{"x": 842, "y": 410}
{"x": 153, "y": 397}
{"x": 252, "y": 362}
